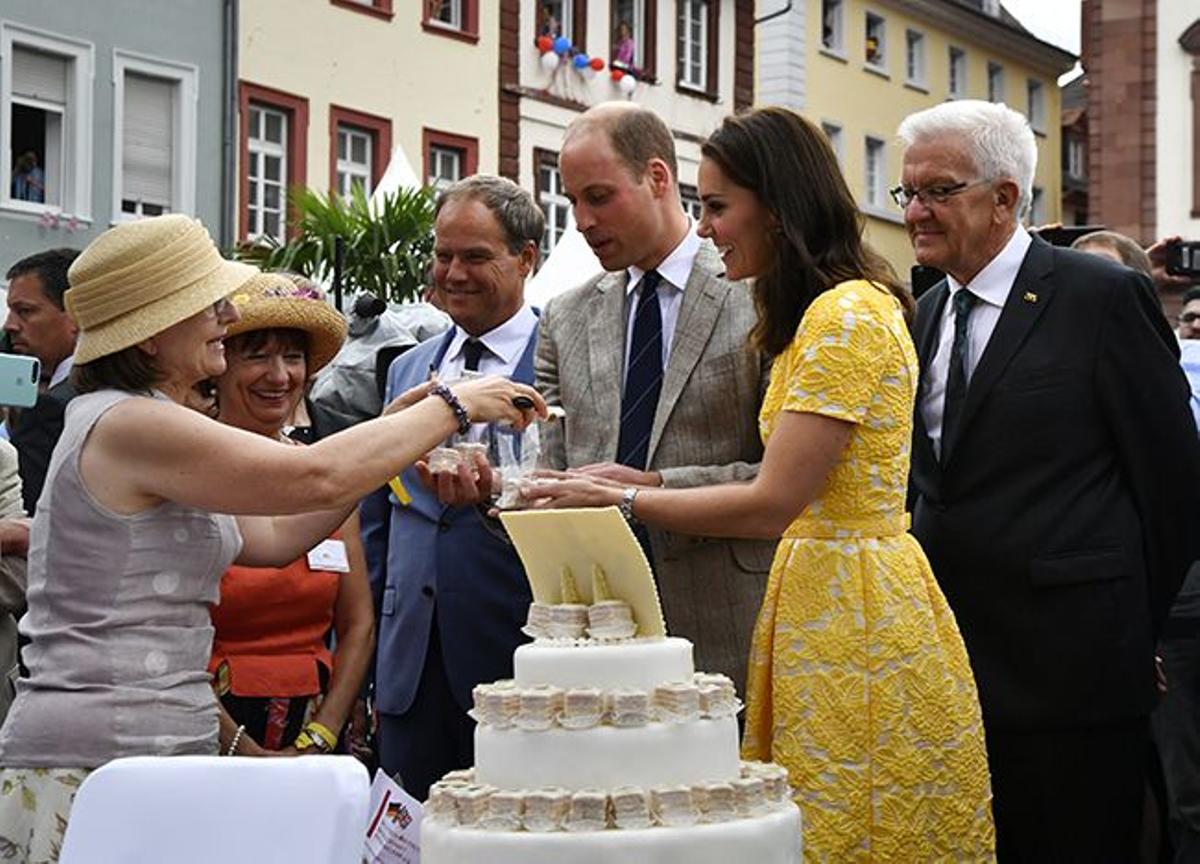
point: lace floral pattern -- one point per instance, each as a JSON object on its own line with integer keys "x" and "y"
{"x": 859, "y": 681}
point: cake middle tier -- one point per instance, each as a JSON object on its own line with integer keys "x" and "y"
{"x": 640, "y": 664}
{"x": 608, "y": 757}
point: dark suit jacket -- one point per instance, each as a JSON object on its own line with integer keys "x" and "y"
{"x": 1063, "y": 517}
{"x": 34, "y": 435}
{"x": 425, "y": 558}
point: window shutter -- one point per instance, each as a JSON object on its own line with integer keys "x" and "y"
{"x": 39, "y": 76}
{"x": 146, "y": 145}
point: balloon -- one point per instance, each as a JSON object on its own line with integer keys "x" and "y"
{"x": 544, "y": 44}
{"x": 597, "y": 64}
{"x": 550, "y": 61}
{"x": 562, "y": 45}
{"x": 627, "y": 84}
{"x": 617, "y": 74}
{"x": 580, "y": 61}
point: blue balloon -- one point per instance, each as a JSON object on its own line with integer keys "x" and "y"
{"x": 581, "y": 61}
{"x": 562, "y": 45}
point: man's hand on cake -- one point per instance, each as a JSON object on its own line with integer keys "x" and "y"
{"x": 620, "y": 475}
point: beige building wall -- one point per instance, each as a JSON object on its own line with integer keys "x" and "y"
{"x": 334, "y": 55}
{"x": 1175, "y": 140}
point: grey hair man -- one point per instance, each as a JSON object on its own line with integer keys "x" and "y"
{"x": 686, "y": 413}
{"x": 451, "y": 595}
{"x": 1055, "y": 475}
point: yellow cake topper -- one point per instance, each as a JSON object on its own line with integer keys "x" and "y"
{"x": 568, "y": 590}
{"x": 554, "y": 542}
{"x": 600, "y": 589}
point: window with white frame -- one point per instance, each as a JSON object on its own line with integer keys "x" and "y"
{"x": 875, "y": 50}
{"x": 553, "y": 202}
{"x": 445, "y": 166}
{"x": 1076, "y": 153}
{"x": 690, "y": 196}
{"x": 629, "y": 32}
{"x": 555, "y": 18}
{"x": 446, "y": 13}
{"x": 1036, "y": 95}
{"x": 958, "y": 73}
{"x": 355, "y": 159}
{"x": 1037, "y": 207}
{"x": 267, "y": 171}
{"x": 875, "y": 178}
{"x": 45, "y": 122}
{"x": 995, "y": 82}
{"x": 154, "y": 135}
{"x": 914, "y": 57}
{"x": 833, "y": 31}
{"x": 833, "y": 132}
{"x": 693, "y": 43}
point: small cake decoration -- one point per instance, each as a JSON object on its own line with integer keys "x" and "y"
{"x": 589, "y": 811}
{"x": 545, "y": 810}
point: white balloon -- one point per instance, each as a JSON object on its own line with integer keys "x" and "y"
{"x": 589, "y": 73}
{"x": 550, "y": 61}
{"x": 627, "y": 84}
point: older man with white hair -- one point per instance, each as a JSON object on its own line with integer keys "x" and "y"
{"x": 1056, "y": 482}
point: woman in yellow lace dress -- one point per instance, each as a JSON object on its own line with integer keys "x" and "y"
{"x": 859, "y": 682}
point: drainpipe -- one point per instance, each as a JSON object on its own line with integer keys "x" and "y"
{"x": 763, "y": 20}
{"x": 229, "y": 153}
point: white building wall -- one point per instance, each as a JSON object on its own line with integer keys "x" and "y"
{"x": 1174, "y": 140}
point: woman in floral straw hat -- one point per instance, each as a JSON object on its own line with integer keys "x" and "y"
{"x": 147, "y": 503}
{"x": 282, "y": 691}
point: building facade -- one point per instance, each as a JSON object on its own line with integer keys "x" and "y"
{"x": 858, "y": 67}
{"x": 109, "y": 112}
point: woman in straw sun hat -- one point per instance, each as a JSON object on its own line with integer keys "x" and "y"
{"x": 146, "y": 504}
{"x": 277, "y": 681}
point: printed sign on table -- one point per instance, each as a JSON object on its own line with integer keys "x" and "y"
{"x": 394, "y": 829}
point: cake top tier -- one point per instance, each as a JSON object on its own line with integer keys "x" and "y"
{"x": 639, "y": 664}
{"x": 572, "y": 555}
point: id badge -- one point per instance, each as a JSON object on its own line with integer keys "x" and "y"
{"x": 329, "y": 555}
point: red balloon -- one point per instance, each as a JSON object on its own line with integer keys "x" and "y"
{"x": 544, "y": 43}
{"x": 597, "y": 64}
{"x": 617, "y": 74}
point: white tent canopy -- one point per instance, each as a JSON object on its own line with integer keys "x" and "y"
{"x": 570, "y": 263}
{"x": 399, "y": 175}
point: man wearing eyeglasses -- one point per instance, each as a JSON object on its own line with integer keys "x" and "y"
{"x": 1055, "y": 480}
{"x": 1189, "y": 315}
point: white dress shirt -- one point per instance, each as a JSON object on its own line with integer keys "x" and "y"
{"x": 674, "y": 270}
{"x": 61, "y": 371}
{"x": 991, "y": 286}
{"x": 505, "y": 345}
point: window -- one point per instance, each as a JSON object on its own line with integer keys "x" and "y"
{"x": 875, "y": 51}
{"x": 690, "y": 196}
{"x": 697, "y": 46}
{"x": 633, "y": 32}
{"x": 958, "y": 73}
{"x": 1037, "y": 105}
{"x": 832, "y": 26}
{"x": 1075, "y": 155}
{"x": 458, "y": 19}
{"x": 274, "y": 153}
{"x": 914, "y": 57}
{"x": 45, "y": 122}
{"x": 875, "y": 181}
{"x": 995, "y": 82}
{"x": 551, "y": 199}
{"x": 154, "y": 133}
{"x": 360, "y": 146}
{"x": 562, "y": 18}
{"x": 378, "y": 8}
{"x": 1037, "y": 207}
{"x": 834, "y": 133}
{"x": 448, "y": 158}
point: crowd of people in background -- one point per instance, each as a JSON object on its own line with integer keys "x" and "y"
{"x": 942, "y": 543}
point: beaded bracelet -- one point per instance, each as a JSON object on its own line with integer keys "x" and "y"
{"x": 456, "y": 405}
{"x": 233, "y": 744}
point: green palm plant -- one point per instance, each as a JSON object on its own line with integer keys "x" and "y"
{"x": 388, "y": 245}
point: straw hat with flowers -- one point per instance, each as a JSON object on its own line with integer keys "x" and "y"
{"x": 139, "y": 278}
{"x": 290, "y": 302}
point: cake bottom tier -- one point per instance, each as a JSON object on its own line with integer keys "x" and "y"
{"x": 770, "y": 839}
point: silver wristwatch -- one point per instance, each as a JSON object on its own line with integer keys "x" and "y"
{"x": 626, "y": 505}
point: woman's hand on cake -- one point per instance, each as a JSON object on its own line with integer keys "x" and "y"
{"x": 621, "y": 475}
{"x": 571, "y": 491}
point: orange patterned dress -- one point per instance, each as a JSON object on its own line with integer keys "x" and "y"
{"x": 859, "y": 681}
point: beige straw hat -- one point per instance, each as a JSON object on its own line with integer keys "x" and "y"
{"x": 290, "y": 302}
{"x": 139, "y": 278}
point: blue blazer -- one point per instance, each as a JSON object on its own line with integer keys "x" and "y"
{"x": 425, "y": 558}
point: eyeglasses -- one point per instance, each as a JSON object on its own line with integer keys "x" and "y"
{"x": 936, "y": 194}
{"x": 1189, "y": 317}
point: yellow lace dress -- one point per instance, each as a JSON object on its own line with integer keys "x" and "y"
{"x": 859, "y": 682}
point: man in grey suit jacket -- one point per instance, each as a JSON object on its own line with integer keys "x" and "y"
{"x": 619, "y": 171}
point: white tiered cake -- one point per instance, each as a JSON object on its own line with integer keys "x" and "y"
{"x": 605, "y": 746}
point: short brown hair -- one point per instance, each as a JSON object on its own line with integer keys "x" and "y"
{"x": 1130, "y": 253}
{"x": 131, "y": 370}
{"x": 636, "y": 134}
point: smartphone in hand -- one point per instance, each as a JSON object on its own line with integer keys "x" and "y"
{"x": 19, "y": 376}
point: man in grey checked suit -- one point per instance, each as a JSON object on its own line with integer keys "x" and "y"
{"x": 702, "y": 397}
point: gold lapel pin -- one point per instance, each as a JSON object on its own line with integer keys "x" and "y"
{"x": 1030, "y": 297}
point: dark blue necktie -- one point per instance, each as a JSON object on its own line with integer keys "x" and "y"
{"x": 643, "y": 378}
{"x": 472, "y": 350}
{"x": 956, "y": 380}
